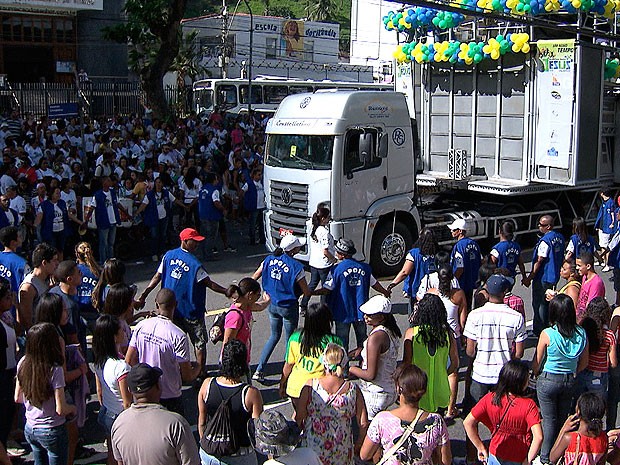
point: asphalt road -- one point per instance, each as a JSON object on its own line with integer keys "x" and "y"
{"x": 230, "y": 268}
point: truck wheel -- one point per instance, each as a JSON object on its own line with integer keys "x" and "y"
{"x": 389, "y": 249}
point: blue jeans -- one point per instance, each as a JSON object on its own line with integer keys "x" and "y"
{"x": 278, "y": 316}
{"x": 106, "y": 243}
{"x": 590, "y": 381}
{"x": 343, "y": 330}
{"x": 317, "y": 275}
{"x": 247, "y": 459}
{"x": 555, "y": 395}
{"x": 159, "y": 234}
{"x": 106, "y": 419}
{"x": 613, "y": 397}
{"x": 256, "y": 219}
{"x": 49, "y": 445}
{"x": 540, "y": 306}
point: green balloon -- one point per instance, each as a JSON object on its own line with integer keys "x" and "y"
{"x": 477, "y": 58}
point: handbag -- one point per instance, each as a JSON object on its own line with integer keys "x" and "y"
{"x": 408, "y": 431}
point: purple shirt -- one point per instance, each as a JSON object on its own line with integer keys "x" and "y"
{"x": 160, "y": 343}
{"x": 46, "y": 416}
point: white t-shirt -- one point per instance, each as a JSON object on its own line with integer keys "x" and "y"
{"x": 108, "y": 206}
{"x": 109, "y": 376}
{"x": 324, "y": 241}
{"x": 19, "y": 205}
{"x": 70, "y": 199}
{"x": 11, "y": 340}
{"x": 190, "y": 193}
{"x": 543, "y": 249}
{"x": 431, "y": 281}
{"x": 494, "y": 327}
{"x": 58, "y": 224}
{"x": 6, "y": 181}
{"x": 159, "y": 199}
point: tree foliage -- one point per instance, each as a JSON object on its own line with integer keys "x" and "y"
{"x": 153, "y": 34}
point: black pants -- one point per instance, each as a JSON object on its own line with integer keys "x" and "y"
{"x": 7, "y": 405}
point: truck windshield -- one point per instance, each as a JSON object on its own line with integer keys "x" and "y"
{"x": 302, "y": 152}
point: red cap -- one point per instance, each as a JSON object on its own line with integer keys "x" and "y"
{"x": 190, "y": 233}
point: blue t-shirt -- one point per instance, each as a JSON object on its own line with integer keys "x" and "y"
{"x": 183, "y": 273}
{"x": 422, "y": 265}
{"x": 86, "y": 288}
{"x": 279, "y": 277}
{"x": 349, "y": 282}
{"x": 507, "y": 254}
{"x": 605, "y": 218}
{"x": 466, "y": 254}
{"x": 13, "y": 268}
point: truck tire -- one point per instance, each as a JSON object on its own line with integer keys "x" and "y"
{"x": 388, "y": 250}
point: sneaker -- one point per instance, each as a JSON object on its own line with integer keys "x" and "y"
{"x": 14, "y": 449}
{"x": 155, "y": 258}
{"x": 258, "y": 376}
{"x": 606, "y": 269}
{"x": 214, "y": 251}
{"x": 230, "y": 249}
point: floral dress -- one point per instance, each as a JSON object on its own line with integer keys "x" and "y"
{"x": 327, "y": 429}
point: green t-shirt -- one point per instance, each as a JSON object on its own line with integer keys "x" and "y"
{"x": 304, "y": 367}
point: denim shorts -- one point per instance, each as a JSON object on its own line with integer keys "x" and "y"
{"x": 106, "y": 419}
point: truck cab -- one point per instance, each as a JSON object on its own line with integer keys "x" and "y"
{"x": 350, "y": 150}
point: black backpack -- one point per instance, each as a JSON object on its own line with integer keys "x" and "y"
{"x": 220, "y": 438}
{"x": 216, "y": 333}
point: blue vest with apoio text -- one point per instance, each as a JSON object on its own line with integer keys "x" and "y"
{"x": 550, "y": 271}
{"x": 351, "y": 285}
{"x": 206, "y": 207}
{"x": 580, "y": 246}
{"x": 4, "y": 220}
{"x": 47, "y": 224}
{"x": 279, "y": 277}
{"x": 151, "y": 217}
{"x": 12, "y": 268}
{"x": 251, "y": 196}
{"x": 509, "y": 253}
{"x": 101, "y": 209}
{"x": 470, "y": 251}
{"x": 605, "y": 218}
{"x": 180, "y": 268}
{"x": 86, "y": 287}
{"x": 422, "y": 265}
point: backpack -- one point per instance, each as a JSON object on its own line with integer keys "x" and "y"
{"x": 220, "y": 438}
{"x": 216, "y": 333}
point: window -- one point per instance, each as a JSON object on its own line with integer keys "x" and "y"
{"x": 300, "y": 89}
{"x": 309, "y": 50}
{"x": 257, "y": 94}
{"x": 227, "y": 96}
{"x": 271, "y": 47}
{"x": 275, "y": 94}
{"x": 300, "y": 151}
{"x": 352, "y": 160}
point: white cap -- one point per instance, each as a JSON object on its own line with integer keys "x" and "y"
{"x": 289, "y": 242}
{"x": 458, "y": 224}
{"x": 377, "y": 304}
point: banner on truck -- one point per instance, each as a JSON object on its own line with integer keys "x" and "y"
{"x": 555, "y": 76}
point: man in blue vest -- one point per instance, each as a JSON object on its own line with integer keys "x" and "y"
{"x": 211, "y": 211}
{"x": 157, "y": 208}
{"x": 465, "y": 258}
{"x": 105, "y": 206}
{"x": 181, "y": 271}
{"x": 349, "y": 283}
{"x": 547, "y": 260}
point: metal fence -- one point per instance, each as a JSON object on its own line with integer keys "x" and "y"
{"x": 97, "y": 98}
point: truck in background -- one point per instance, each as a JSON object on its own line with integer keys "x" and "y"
{"x": 501, "y": 140}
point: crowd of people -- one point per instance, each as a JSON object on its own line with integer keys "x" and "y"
{"x": 352, "y": 400}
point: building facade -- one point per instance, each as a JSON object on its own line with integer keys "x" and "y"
{"x": 287, "y": 48}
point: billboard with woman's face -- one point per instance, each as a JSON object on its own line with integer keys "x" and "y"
{"x": 292, "y": 39}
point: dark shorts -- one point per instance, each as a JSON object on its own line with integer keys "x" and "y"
{"x": 616, "y": 278}
{"x": 195, "y": 329}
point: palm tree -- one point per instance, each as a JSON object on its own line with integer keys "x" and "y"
{"x": 187, "y": 63}
{"x": 321, "y": 10}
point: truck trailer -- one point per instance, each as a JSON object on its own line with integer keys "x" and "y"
{"x": 532, "y": 133}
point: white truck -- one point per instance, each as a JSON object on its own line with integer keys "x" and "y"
{"x": 503, "y": 141}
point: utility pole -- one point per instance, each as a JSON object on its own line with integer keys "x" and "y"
{"x": 250, "y": 58}
{"x": 223, "y": 59}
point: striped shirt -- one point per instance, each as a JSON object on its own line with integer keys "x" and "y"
{"x": 494, "y": 327}
{"x": 599, "y": 361}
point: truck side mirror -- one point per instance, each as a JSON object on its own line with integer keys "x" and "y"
{"x": 365, "y": 148}
{"x": 383, "y": 145}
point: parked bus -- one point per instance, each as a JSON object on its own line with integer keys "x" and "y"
{"x": 231, "y": 95}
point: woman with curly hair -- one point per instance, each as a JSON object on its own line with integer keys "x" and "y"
{"x": 595, "y": 378}
{"x": 430, "y": 345}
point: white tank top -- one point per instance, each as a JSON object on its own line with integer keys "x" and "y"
{"x": 453, "y": 315}
{"x": 386, "y": 365}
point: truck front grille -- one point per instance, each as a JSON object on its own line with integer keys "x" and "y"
{"x": 289, "y": 208}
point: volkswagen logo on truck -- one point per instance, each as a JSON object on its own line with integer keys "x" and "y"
{"x": 287, "y": 196}
{"x": 305, "y": 102}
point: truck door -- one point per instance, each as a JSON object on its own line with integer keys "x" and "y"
{"x": 365, "y": 174}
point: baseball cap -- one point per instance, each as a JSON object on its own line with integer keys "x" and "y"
{"x": 190, "y": 233}
{"x": 289, "y": 242}
{"x": 458, "y": 224}
{"x": 143, "y": 377}
{"x": 498, "y": 284}
{"x": 345, "y": 246}
{"x": 377, "y": 304}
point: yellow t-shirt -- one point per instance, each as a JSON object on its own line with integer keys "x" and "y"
{"x": 304, "y": 367}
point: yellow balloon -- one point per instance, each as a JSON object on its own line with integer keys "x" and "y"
{"x": 525, "y": 48}
{"x": 495, "y": 54}
{"x": 515, "y": 47}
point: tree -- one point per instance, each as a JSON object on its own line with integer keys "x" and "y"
{"x": 187, "y": 63}
{"x": 153, "y": 34}
{"x": 320, "y": 10}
